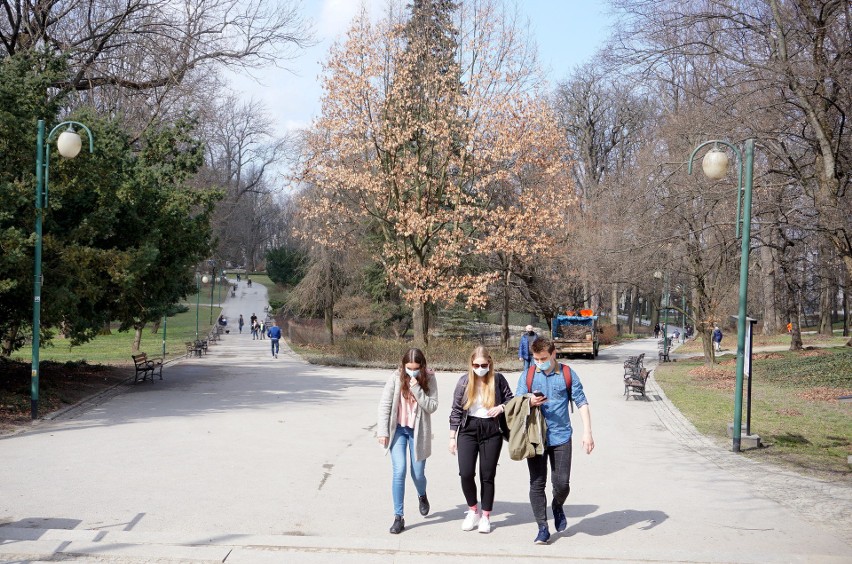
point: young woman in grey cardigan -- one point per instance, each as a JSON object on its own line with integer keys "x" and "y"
{"x": 409, "y": 399}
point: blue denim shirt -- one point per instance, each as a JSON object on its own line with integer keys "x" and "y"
{"x": 555, "y": 409}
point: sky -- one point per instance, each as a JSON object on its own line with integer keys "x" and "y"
{"x": 567, "y": 32}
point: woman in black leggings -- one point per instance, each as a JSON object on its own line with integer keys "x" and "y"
{"x": 475, "y": 432}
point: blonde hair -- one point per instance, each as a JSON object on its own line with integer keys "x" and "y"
{"x": 488, "y": 396}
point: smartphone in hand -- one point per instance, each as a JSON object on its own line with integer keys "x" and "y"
{"x": 538, "y": 394}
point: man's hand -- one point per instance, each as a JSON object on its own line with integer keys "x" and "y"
{"x": 536, "y": 401}
{"x": 588, "y": 443}
{"x": 383, "y": 441}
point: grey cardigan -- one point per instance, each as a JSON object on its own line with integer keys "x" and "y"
{"x": 427, "y": 404}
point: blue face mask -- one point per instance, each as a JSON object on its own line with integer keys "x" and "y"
{"x": 412, "y": 373}
{"x": 543, "y": 365}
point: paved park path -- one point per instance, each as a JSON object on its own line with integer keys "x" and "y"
{"x": 238, "y": 457}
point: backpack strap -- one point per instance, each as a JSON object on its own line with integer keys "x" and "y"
{"x": 566, "y": 373}
{"x": 530, "y": 374}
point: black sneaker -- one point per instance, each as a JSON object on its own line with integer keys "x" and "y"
{"x": 560, "y": 522}
{"x": 424, "y": 505}
{"x": 398, "y": 525}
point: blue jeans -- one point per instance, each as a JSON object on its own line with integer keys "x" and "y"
{"x": 527, "y": 363}
{"x": 403, "y": 440}
{"x": 274, "y": 346}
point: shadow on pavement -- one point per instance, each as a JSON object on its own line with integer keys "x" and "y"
{"x": 198, "y": 390}
{"x": 614, "y": 521}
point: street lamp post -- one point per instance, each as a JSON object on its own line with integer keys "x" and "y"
{"x": 212, "y": 290}
{"x": 715, "y": 166}
{"x": 665, "y": 277}
{"x": 198, "y": 281}
{"x": 68, "y": 144}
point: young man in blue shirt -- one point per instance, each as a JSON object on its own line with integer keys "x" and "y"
{"x": 274, "y": 335}
{"x": 553, "y": 400}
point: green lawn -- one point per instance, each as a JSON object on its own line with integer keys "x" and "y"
{"x": 116, "y": 348}
{"x": 794, "y": 405}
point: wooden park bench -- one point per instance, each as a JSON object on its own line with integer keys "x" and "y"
{"x": 147, "y": 366}
{"x": 635, "y": 376}
{"x": 193, "y": 348}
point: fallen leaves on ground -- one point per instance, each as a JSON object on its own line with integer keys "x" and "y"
{"x": 714, "y": 377}
{"x": 822, "y": 393}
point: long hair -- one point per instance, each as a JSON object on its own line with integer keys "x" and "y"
{"x": 488, "y": 396}
{"x": 415, "y": 356}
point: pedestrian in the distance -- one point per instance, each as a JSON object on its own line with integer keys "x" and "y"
{"x": 274, "y": 336}
{"x": 241, "y": 322}
{"x": 254, "y": 329}
{"x": 549, "y": 389}
{"x": 656, "y": 330}
{"x": 717, "y": 338}
{"x": 409, "y": 399}
{"x": 524, "y": 351}
{"x": 262, "y": 330}
{"x": 476, "y": 432}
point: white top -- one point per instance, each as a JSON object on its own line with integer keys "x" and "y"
{"x": 477, "y": 409}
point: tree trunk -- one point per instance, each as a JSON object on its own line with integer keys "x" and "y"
{"x": 846, "y": 301}
{"x": 772, "y": 321}
{"x": 8, "y": 346}
{"x": 846, "y": 304}
{"x": 106, "y": 330}
{"x": 794, "y": 309}
{"x": 826, "y": 293}
{"x": 155, "y": 328}
{"x": 631, "y": 311}
{"x": 328, "y": 315}
{"x": 504, "y": 313}
{"x": 420, "y": 318}
{"x": 137, "y": 339}
{"x": 614, "y": 309}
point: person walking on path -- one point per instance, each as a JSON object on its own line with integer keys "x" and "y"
{"x": 656, "y": 330}
{"x": 262, "y": 329}
{"x": 241, "y": 323}
{"x": 524, "y": 352}
{"x": 409, "y": 399}
{"x": 476, "y": 431}
{"x": 550, "y": 391}
{"x": 717, "y": 338}
{"x": 274, "y": 337}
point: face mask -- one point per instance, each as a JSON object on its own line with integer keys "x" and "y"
{"x": 543, "y": 365}
{"x": 531, "y": 333}
{"x": 480, "y": 371}
{"x": 412, "y": 373}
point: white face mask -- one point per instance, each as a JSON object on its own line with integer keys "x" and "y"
{"x": 412, "y": 373}
{"x": 480, "y": 371}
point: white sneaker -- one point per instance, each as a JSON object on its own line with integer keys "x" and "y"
{"x": 471, "y": 520}
{"x": 485, "y": 524}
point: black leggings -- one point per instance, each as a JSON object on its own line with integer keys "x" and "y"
{"x": 480, "y": 437}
